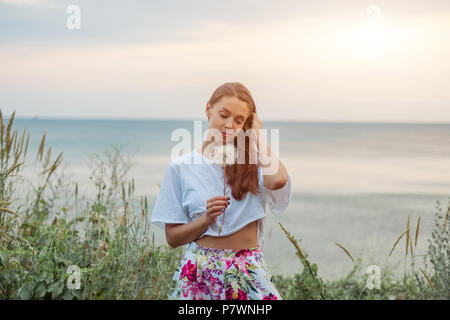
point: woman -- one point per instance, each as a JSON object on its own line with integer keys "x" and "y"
{"x": 223, "y": 259}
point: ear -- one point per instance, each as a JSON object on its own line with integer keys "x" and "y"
{"x": 208, "y": 110}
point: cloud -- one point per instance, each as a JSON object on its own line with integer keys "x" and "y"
{"x": 22, "y": 2}
{"x": 315, "y": 74}
{"x": 166, "y": 57}
{"x": 133, "y": 21}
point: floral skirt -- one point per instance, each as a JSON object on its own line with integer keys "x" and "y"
{"x": 223, "y": 274}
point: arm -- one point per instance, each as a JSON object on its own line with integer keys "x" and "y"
{"x": 180, "y": 234}
{"x": 276, "y": 182}
{"x": 272, "y": 181}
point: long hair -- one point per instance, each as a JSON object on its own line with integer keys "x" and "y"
{"x": 242, "y": 178}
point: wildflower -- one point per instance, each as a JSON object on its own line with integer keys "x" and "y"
{"x": 103, "y": 246}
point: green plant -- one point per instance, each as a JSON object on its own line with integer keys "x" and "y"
{"x": 112, "y": 247}
{"x": 434, "y": 281}
{"x": 308, "y": 285}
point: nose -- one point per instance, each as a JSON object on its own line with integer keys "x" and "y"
{"x": 229, "y": 124}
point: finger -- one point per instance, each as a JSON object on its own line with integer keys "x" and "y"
{"x": 218, "y": 198}
{"x": 217, "y": 203}
{"x": 222, "y": 203}
{"x": 216, "y": 214}
{"x": 215, "y": 209}
{"x": 253, "y": 148}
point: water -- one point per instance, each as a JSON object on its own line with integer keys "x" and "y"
{"x": 353, "y": 183}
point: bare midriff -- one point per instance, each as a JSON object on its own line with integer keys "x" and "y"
{"x": 245, "y": 238}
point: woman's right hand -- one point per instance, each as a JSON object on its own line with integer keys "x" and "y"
{"x": 214, "y": 207}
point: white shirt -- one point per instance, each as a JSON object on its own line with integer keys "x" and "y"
{"x": 190, "y": 180}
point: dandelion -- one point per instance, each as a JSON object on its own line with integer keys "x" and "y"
{"x": 224, "y": 155}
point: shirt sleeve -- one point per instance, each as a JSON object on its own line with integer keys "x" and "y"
{"x": 168, "y": 206}
{"x": 279, "y": 199}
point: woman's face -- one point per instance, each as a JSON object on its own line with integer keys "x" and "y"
{"x": 228, "y": 115}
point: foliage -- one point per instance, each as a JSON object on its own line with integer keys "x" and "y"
{"x": 113, "y": 248}
{"x": 418, "y": 284}
{"x": 434, "y": 281}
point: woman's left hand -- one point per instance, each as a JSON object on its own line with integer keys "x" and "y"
{"x": 254, "y": 136}
{"x": 256, "y": 126}
{"x": 257, "y": 123}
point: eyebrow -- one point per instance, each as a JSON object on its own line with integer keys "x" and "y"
{"x": 223, "y": 108}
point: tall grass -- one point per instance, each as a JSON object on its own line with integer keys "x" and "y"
{"x": 108, "y": 238}
{"x": 431, "y": 283}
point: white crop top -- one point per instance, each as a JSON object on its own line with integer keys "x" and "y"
{"x": 190, "y": 180}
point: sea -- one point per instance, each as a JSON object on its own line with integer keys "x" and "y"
{"x": 353, "y": 184}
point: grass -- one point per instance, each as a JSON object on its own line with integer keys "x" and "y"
{"x": 108, "y": 240}
{"x": 56, "y": 243}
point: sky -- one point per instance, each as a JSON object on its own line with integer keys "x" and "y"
{"x": 374, "y": 61}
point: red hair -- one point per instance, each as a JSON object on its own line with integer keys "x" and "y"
{"x": 242, "y": 178}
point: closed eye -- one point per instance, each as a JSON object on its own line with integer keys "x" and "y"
{"x": 224, "y": 117}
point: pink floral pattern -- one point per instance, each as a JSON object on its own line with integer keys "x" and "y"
{"x": 189, "y": 270}
{"x": 223, "y": 274}
{"x": 270, "y": 297}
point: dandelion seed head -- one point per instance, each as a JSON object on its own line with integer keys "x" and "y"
{"x": 224, "y": 154}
